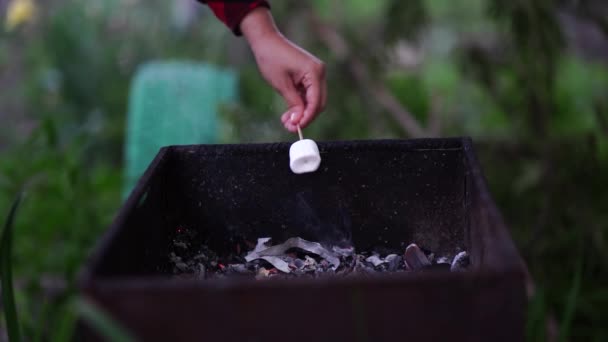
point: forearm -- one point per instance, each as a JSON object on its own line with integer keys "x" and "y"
{"x": 258, "y": 25}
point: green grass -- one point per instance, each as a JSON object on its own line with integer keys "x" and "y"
{"x": 6, "y": 272}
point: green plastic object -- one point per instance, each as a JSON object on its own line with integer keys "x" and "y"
{"x": 173, "y": 103}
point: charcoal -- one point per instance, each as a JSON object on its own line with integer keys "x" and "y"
{"x": 201, "y": 256}
{"x": 300, "y": 258}
{"x": 202, "y": 272}
{"x": 394, "y": 263}
{"x": 174, "y": 257}
{"x": 415, "y": 259}
{"x": 460, "y": 262}
{"x": 181, "y": 266}
{"x": 361, "y": 267}
{"x": 255, "y": 265}
{"x": 310, "y": 264}
{"x": 238, "y": 268}
{"x": 262, "y": 273}
{"x": 180, "y": 244}
{"x": 278, "y": 263}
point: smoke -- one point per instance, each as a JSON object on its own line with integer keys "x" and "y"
{"x": 323, "y": 218}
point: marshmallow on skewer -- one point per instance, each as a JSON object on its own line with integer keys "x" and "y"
{"x": 304, "y": 155}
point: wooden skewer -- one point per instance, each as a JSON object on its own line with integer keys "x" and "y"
{"x": 299, "y": 129}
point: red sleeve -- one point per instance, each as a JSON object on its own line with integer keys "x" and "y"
{"x": 231, "y": 12}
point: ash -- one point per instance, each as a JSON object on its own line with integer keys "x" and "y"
{"x": 297, "y": 257}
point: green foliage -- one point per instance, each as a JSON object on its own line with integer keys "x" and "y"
{"x": 537, "y": 316}
{"x": 6, "y": 272}
{"x": 555, "y": 213}
{"x": 412, "y": 93}
{"x": 404, "y": 19}
{"x": 67, "y": 310}
{"x": 532, "y": 28}
{"x": 579, "y": 93}
{"x": 70, "y": 202}
{"x": 572, "y": 300}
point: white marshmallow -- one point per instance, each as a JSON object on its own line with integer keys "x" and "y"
{"x": 304, "y": 156}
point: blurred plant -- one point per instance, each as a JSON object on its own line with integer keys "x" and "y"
{"x": 19, "y": 12}
{"x": 63, "y": 177}
{"x": 6, "y": 272}
{"x": 96, "y": 318}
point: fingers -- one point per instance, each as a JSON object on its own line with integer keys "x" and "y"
{"x": 295, "y": 104}
{"x": 315, "y": 94}
{"x": 290, "y": 118}
{"x": 305, "y": 97}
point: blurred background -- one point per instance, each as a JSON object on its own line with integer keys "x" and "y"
{"x": 527, "y": 80}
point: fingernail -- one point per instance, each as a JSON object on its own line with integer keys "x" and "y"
{"x": 293, "y": 117}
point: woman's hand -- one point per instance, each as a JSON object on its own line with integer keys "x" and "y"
{"x": 296, "y": 74}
